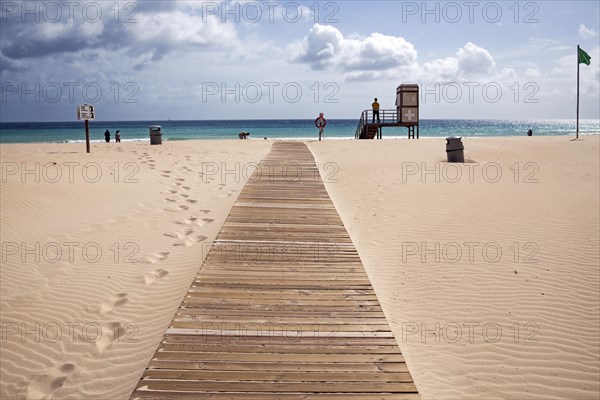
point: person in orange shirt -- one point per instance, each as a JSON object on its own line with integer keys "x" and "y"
{"x": 375, "y": 107}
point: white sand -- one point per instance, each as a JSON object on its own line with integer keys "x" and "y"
{"x": 549, "y": 290}
{"x": 169, "y": 216}
{"x": 158, "y": 210}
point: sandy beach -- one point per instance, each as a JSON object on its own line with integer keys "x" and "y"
{"x": 488, "y": 272}
{"x": 115, "y": 255}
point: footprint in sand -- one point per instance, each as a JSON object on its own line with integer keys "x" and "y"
{"x": 187, "y": 240}
{"x": 109, "y": 335}
{"x": 186, "y": 187}
{"x": 116, "y": 302}
{"x": 186, "y": 221}
{"x": 155, "y": 275}
{"x": 170, "y": 200}
{"x": 192, "y": 201}
{"x": 156, "y": 257}
{"x": 180, "y": 179}
{"x": 42, "y": 387}
{"x": 178, "y": 208}
{"x": 207, "y": 220}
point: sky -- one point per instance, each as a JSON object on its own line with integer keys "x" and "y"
{"x": 203, "y": 60}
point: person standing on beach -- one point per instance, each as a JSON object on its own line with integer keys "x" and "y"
{"x": 107, "y": 136}
{"x": 118, "y": 136}
{"x": 375, "y": 107}
{"x": 530, "y": 133}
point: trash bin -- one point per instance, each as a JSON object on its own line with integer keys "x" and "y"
{"x": 455, "y": 149}
{"x": 155, "y": 134}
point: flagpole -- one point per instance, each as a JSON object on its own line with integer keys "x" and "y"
{"x": 577, "y": 134}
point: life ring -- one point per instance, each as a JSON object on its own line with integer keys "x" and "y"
{"x": 320, "y": 122}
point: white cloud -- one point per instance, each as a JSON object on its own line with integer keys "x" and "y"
{"x": 325, "y": 46}
{"x": 379, "y": 56}
{"x": 178, "y": 29}
{"x": 321, "y": 48}
{"x": 475, "y": 59}
{"x": 586, "y": 32}
{"x": 470, "y": 60}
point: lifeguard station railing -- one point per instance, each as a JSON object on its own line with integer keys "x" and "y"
{"x": 386, "y": 117}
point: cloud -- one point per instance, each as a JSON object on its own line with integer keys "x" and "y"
{"x": 148, "y": 29}
{"x": 470, "y": 60}
{"x": 163, "y": 32}
{"x": 326, "y": 47}
{"x": 586, "y": 32}
{"x": 321, "y": 48}
{"x": 43, "y": 38}
{"x": 475, "y": 59}
{"x": 379, "y": 56}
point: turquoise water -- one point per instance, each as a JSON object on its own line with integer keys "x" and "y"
{"x": 73, "y": 131}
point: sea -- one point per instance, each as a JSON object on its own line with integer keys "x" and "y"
{"x": 294, "y": 129}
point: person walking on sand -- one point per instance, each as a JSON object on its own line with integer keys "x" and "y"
{"x": 530, "y": 133}
{"x": 375, "y": 107}
{"x": 107, "y": 136}
{"x": 118, "y": 136}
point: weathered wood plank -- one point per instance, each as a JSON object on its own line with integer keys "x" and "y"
{"x": 282, "y": 307}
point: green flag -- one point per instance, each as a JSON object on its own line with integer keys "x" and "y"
{"x": 584, "y": 58}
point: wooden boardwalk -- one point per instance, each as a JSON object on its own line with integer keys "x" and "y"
{"x": 282, "y": 307}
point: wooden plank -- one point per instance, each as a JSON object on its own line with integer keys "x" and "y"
{"x": 311, "y": 387}
{"x": 282, "y": 307}
{"x": 171, "y": 395}
{"x": 277, "y": 366}
{"x": 315, "y": 348}
{"x": 278, "y": 376}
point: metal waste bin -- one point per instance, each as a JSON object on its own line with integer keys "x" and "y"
{"x": 155, "y": 134}
{"x": 455, "y": 149}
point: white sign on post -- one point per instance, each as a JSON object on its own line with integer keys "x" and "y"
{"x": 85, "y": 112}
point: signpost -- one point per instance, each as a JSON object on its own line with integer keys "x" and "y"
{"x": 86, "y": 112}
{"x": 320, "y": 123}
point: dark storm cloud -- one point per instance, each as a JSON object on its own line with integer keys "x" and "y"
{"x": 152, "y": 27}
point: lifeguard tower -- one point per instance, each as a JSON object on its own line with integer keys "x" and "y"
{"x": 406, "y": 114}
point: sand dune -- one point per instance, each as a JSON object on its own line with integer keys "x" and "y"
{"x": 83, "y": 312}
{"x": 507, "y": 304}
